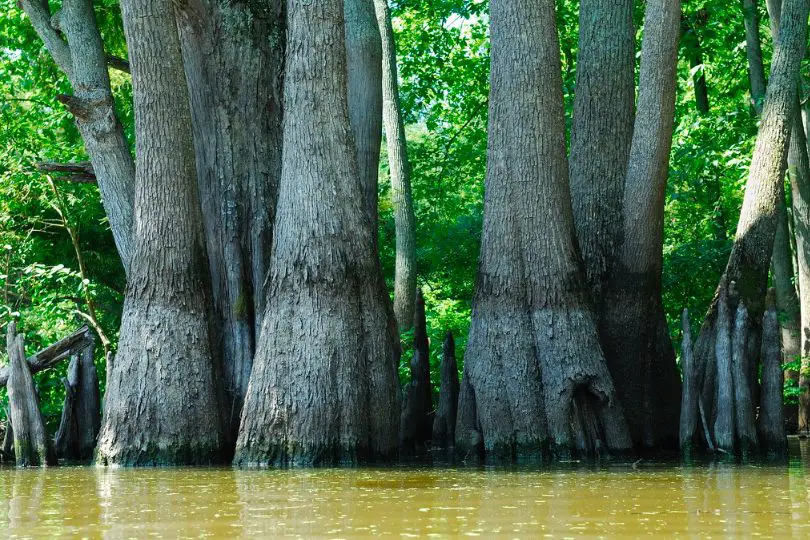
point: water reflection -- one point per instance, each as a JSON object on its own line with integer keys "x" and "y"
{"x": 716, "y": 499}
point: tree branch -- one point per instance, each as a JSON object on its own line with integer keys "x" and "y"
{"x": 118, "y": 63}
{"x": 39, "y": 13}
{"x": 53, "y": 354}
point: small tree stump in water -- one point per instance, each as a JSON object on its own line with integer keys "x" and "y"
{"x": 32, "y": 447}
{"x": 444, "y": 425}
{"x": 469, "y": 440}
{"x": 771, "y": 426}
{"x": 81, "y": 414}
{"x": 416, "y": 427}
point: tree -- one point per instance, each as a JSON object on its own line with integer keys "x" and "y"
{"x": 402, "y": 199}
{"x": 162, "y": 404}
{"x": 745, "y": 277}
{"x": 233, "y": 57}
{"x": 324, "y": 386}
{"x": 533, "y": 362}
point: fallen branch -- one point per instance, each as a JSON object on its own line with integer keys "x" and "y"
{"x": 53, "y": 354}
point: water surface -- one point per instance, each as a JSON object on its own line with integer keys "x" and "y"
{"x": 617, "y": 500}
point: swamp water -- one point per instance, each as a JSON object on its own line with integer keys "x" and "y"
{"x": 717, "y": 500}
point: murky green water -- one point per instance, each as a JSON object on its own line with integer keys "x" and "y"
{"x": 714, "y": 500}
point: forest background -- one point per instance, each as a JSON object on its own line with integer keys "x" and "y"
{"x": 59, "y": 267}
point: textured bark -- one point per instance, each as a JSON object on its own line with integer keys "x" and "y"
{"x": 469, "y": 440}
{"x": 690, "y": 414}
{"x": 753, "y": 50}
{"x": 32, "y": 447}
{"x": 324, "y": 387}
{"x": 744, "y": 405}
{"x": 747, "y": 268}
{"x": 416, "y": 426}
{"x": 444, "y": 424}
{"x": 233, "y": 54}
{"x": 55, "y": 353}
{"x": 771, "y": 422}
{"x": 723, "y": 427}
{"x": 637, "y": 344}
{"x": 81, "y": 412}
{"x": 533, "y": 348}
{"x": 78, "y": 50}
{"x": 601, "y": 133}
{"x": 161, "y": 405}
{"x": 400, "y": 171}
{"x": 364, "y": 86}
{"x": 799, "y": 173}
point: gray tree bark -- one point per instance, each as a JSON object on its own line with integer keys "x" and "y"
{"x": 633, "y": 330}
{"x": 364, "y": 83}
{"x": 416, "y": 426}
{"x": 444, "y": 424}
{"x": 601, "y": 134}
{"x": 533, "y": 348}
{"x": 32, "y": 446}
{"x": 324, "y": 387}
{"x": 73, "y": 40}
{"x": 771, "y": 422}
{"x": 162, "y": 404}
{"x": 233, "y": 54}
{"x": 747, "y": 268}
{"x": 400, "y": 171}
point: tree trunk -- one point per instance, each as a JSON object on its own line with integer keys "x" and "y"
{"x": 73, "y": 39}
{"x": 32, "y": 447}
{"x": 417, "y": 414}
{"x": 364, "y": 86}
{"x": 65, "y": 438}
{"x": 634, "y": 334}
{"x": 88, "y": 405}
{"x": 771, "y": 422}
{"x": 601, "y": 133}
{"x": 444, "y": 424}
{"x": 533, "y": 348}
{"x": 400, "y": 171}
{"x": 799, "y": 173}
{"x": 691, "y": 42}
{"x": 162, "y": 404}
{"x": 753, "y": 50}
{"x": 233, "y": 55}
{"x": 744, "y": 404}
{"x": 324, "y": 387}
{"x": 747, "y": 268}
{"x": 690, "y": 413}
{"x": 723, "y": 427}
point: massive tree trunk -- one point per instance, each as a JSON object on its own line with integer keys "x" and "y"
{"x": 747, "y": 269}
{"x": 162, "y": 403}
{"x": 601, "y": 133}
{"x": 233, "y": 53}
{"x": 364, "y": 84}
{"x": 633, "y": 331}
{"x": 400, "y": 171}
{"x": 73, "y": 40}
{"x": 324, "y": 387}
{"x": 533, "y": 360}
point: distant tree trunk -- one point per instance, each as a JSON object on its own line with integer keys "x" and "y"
{"x": 32, "y": 446}
{"x": 364, "y": 69}
{"x": 400, "y": 171}
{"x": 690, "y": 414}
{"x": 634, "y": 333}
{"x": 694, "y": 50}
{"x": 444, "y": 425}
{"x": 233, "y": 54}
{"x": 753, "y": 49}
{"x": 162, "y": 404}
{"x": 324, "y": 387}
{"x": 73, "y": 40}
{"x": 747, "y": 268}
{"x": 416, "y": 426}
{"x": 533, "y": 350}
